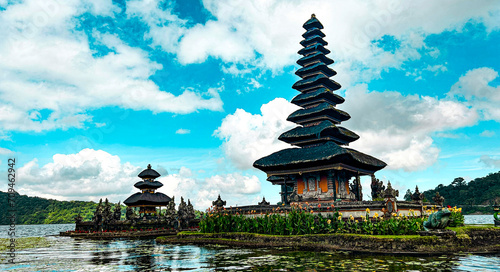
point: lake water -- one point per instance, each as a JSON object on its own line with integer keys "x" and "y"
{"x": 70, "y": 254}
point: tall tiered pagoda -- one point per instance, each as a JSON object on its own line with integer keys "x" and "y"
{"x": 148, "y": 200}
{"x": 321, "y": 167}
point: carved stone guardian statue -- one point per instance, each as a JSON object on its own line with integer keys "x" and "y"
{"x": 438, "y": 199}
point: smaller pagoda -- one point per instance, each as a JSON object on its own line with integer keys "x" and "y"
{"x": 148, "y": 200}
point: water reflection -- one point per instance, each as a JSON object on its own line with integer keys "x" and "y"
{"x": 71, "y": 254}
{"x": 145, "y": 255}
{"x": 139, "y": 256}
{"x": 104, "y": 254}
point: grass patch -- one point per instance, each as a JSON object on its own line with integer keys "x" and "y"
{"x": 365, "y": 236}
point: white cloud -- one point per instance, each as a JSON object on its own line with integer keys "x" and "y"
{"x": 265, "y": 34}
{"x": 94, "y": 174}
{"x": 48, "y": 65}
{"x": 489, "y": 161}
{"x": 398, "y": 129}
{"x": 475, "y": 88}
{"x": 395, "y": 128}
{"x": 449, "y": 135}
{"x": 165, "y": 28}
{"x": 87, "y": 175}
{"x": 235, "y": 188}
{"x": 248, "y": 137}
{"x": 487, "y": 133}
{"x": 182, "y": 131}
{"x": 5, "y": 151}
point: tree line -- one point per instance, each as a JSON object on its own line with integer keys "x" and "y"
{"x": 37, "y": 210}
{"x": 468, "y": 195}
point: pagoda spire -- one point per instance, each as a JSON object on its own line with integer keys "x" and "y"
{"x": 322, "y": 165}
{"x": 318, "y": 117}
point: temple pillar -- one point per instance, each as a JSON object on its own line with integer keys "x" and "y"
{"x": 359, "y": 188}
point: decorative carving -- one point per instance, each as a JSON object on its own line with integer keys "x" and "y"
{"x": 438, "y": 220}
{"x": 390, "y": 192}
{"x": 171, "y": 213}
{"x": 417, "y": 196}
{"x": 97, "y": 218}
{"x": 218, "y": 203}
{"x": 341, "y": 177}
{"x": 106, "y": 212}
{"x": 356, "y": 189}
{"x": 377, "y": 188}
{"x": 294, "y": 197}
{"x": 117, "y": 213}
{"x": 438, "y": 199}
{"x": 185, "y": 215}
{"x": 264, "y": 202}
{"x": 129, "y": 214}
{"x": 311, "y": 184}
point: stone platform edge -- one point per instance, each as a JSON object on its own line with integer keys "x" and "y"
{"x": 478, "y": 240}
{"x": 120, "y": 234}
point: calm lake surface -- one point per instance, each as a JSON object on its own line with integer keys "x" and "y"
{"x": 70, "y": 254}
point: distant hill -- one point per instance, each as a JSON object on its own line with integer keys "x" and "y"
{"x": 37, "y": 210}
{"x": 475, "y": 196}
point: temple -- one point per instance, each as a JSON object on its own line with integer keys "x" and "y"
{"x": 147, "y": 200}
{"x": 320, "y": 167}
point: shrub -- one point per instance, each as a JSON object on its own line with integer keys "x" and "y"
{"x": 301, "y": 220}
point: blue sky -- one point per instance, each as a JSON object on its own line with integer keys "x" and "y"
{"x": 92, "y": 91}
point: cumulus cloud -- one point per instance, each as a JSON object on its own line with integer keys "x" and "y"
{"x": 265, "y": 34}
{"x": 490, "y": 161}
{"x": 94, "y": 174}
{"x": 235, "y": 188}
{"x": 487, "y": 133}
{"x": 248, "y": 137}
{"x": 398, "y": 128}
{"x": 395, "y": 128}
{"x": 89, "y": 174}
{"x": 50, "y": 77}
{"x": 475, "y": 88}
{"x": 5, "y": 151}
{"x": 165, "y": 28}
{"x": 182, "y": 131}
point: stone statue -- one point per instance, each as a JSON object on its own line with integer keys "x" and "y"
{"x": 182, "y": 213}
{"x": 106, "y": 211}
{"x": 438, "y": 220}
{"x": 117, "y": 213}
{"x": 417, "y": 196}
{"x": 219, "y": 203}
{"x": 264, "y": 202}
{"x": 438, "y": 199}
{"x": 190, "y": 211}
{"x": 355, "y": 189}
{"x": 390, "y": 192}
{"x": 129, "y": 214}
{"x": 294, "y": 197}
{"x": 98, "y": 213}
{"x": 343, "y": 183}
{"x": 377, "y": 188}
{"x": 171, "y": 213}
{"x": 98, "y": 217}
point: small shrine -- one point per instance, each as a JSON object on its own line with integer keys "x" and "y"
{"x": 321, "y": 166}
{"x": 148, "y": 199}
